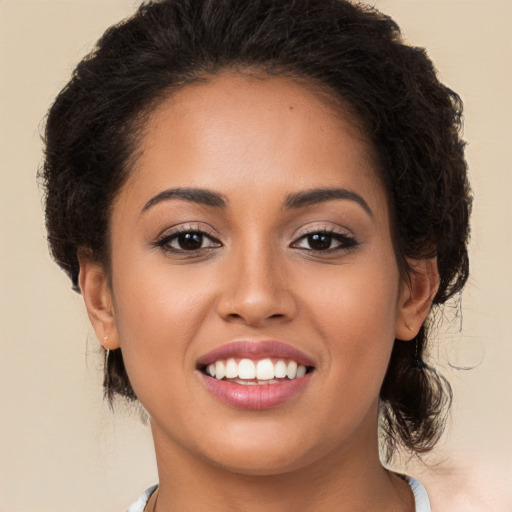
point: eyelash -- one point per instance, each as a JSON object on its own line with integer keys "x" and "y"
{"x": 166, "y": 240}
{"x": 345, "y": 241}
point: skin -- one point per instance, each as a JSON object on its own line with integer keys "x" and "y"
{"x": 256, "y": 277}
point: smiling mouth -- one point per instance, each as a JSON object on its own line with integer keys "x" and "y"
{"x": 256, "y": 375}
{"x": 255, "y": 372}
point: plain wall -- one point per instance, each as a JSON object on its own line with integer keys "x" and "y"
{"x": 61, "y": 448}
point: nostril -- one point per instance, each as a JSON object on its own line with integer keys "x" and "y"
{"x": 252, "y": 306}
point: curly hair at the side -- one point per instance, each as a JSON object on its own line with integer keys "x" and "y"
{"x": 357, "y": 55}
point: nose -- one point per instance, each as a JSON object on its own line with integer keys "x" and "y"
{"x": 256, "y": 289}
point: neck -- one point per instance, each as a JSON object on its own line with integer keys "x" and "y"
{"x": 344, "y": 480}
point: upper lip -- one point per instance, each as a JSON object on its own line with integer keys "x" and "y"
{"x": 255, "y": 350}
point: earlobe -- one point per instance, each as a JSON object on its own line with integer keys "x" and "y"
{"x": 97, "y": 296}
{"x": 416, "y": 297}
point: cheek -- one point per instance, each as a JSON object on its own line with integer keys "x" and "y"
{"x": 158, "y": 312}
{"x": 357, "y": 321}
{"x": 160, "y": 297}
{"x": 355, "y": 312}
{"x": 356, "y": 298}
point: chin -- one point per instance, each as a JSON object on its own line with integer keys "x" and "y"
{"x": 259, "y": 465}
{"x": 266, "y": 458}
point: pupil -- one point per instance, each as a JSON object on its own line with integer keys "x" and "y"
{"x": 320, "y": 241}
{"x": 190, "y": 241}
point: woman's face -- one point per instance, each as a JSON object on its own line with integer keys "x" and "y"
{"x": 253, "y": 238}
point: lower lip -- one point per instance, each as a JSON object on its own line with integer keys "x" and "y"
{"x": 260, "y": 396}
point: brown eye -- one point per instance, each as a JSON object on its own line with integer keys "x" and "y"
{"x": 187, "y": 241}
{"x": 325, "y": 241}
{"x": 319, "y": 241}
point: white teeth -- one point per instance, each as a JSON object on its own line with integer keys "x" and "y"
{"x": 220, "y": 370}
{"x": 231, "y": 369}
{"x": 246, "y": 369}
{"x": 256, "y": 382}
{"x": 280, "y": 369}
{"x": 265, "y": 369}
{"x": 291, "y": 371}
{"x": 249, "y": 372}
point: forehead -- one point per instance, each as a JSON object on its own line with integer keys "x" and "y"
{"x": 241, "y": 131}
{"x": 248, "y": 100}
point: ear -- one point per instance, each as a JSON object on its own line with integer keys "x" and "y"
{"x": 97, "y": 296}
{"x": 416, "y": 297}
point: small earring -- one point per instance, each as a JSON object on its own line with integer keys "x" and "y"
{"x": 105, "y": 338}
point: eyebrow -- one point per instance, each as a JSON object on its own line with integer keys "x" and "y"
{"x": 194, "y": 195}
{"x": 321, "y": 195}
{"x": 293, "y": 201}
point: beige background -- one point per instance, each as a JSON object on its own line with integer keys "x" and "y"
{"x": 61, "y": 449}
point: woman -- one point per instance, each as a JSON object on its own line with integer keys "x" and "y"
{"x": 261, "y": 204}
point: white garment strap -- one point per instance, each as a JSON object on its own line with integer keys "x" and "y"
{"x": 141, "y": 503}
{"x": 420, "y": 495}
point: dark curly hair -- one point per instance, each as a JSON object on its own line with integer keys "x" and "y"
{"x": 353, "y": 52}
